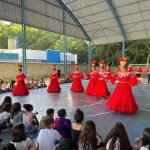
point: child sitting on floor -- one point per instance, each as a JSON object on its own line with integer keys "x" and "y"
{"x": 30, "y": 120}
{"x": 17, "y": 114}
{"x": 5, "y": 116}
{"x": 19, "y": 138}
{"x": 48, "y": 136}
{"x": 63, "y": 125}
{"x": 49, "y": 114}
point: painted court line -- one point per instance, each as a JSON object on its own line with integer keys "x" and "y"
{"x": 144, "y": 109}
{"x": 99, "y": 114}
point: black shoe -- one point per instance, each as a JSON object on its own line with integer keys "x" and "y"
{"x": 1, "y": 140}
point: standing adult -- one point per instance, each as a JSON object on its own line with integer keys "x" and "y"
{"x": 54, "y": 84}
{"x": 20, "y": 89}
{"x": 76, "y": 76}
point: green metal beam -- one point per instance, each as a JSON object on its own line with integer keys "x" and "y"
{"x": 24, "y": 61}
{"x": 74, "y": 18}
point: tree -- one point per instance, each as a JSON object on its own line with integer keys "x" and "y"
{"x": 137, "y": 51}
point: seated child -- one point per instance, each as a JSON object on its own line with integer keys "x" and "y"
{"x": 48, "y": 136}
{"x": 30, "y": 120}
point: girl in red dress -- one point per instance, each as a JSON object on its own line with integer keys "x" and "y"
{"x": 20, "y": 89}
{"x": 76, "y": 76}
{"x": 101, "y": 89}
{"x": 138, "y": 71}
{"x": 130, "y": 70}
{"x": 54, "y": 84}
{"x": 93, "y": 79}
{"x": 122, "y": 99}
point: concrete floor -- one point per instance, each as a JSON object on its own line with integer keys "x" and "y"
{"x": 92, "y": 107}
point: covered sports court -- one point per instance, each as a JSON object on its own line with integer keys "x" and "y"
{"x": 93, "y": 108}
{"x": 98, "y": 22}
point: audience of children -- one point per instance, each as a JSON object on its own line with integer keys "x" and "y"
{"x": 5, "y": 86}
{"x": 61, "y": 135}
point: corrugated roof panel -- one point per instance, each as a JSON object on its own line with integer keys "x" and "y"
{"x": 137, "y": 35}
{"x": 146, "y": 15}
{"x": 144, "y": 5}
{"x": 92, "y": 9}
{"x": 17, "y": 2}
{"x": 110, "y": 39}
{"x": 119, "y": 3}
{"x": 133, "y": 8}
{"x": 10, "y": 12}
{"x": 134, "y": 27}
{"x": 131, "y": 18}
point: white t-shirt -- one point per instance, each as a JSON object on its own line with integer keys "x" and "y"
{"x": 117, "y": 145}
{"x": 4, "y": 116}
{"x": 144, "y": 148}
{"x": 24, "y": 145}
{"x": 18, "y": 118}
{"x": 47, "y": 138}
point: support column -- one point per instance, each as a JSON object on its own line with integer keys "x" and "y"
{"x": 123, "y": 47}
{"x": 24, "y": 61}
{"x": 65, "y": 42}
{"x": 89, "y": 55}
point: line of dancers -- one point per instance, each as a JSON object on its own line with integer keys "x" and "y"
{"x": 121, "y": 100}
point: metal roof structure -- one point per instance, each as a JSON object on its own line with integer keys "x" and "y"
{"x": 99, "y": 21}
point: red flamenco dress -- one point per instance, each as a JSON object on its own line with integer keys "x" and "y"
{"x": 76, "y": 84}
{"x": 122, "y": 99}
{"x": 20, "y": 89}
{"x": 101, "y": 89}
{"x": 93, "y": 79}
{"x": 54, "y": 84}
{"x": 130, "y": 70}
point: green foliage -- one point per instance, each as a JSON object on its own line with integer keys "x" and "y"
{"x": 137, "y": 51}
